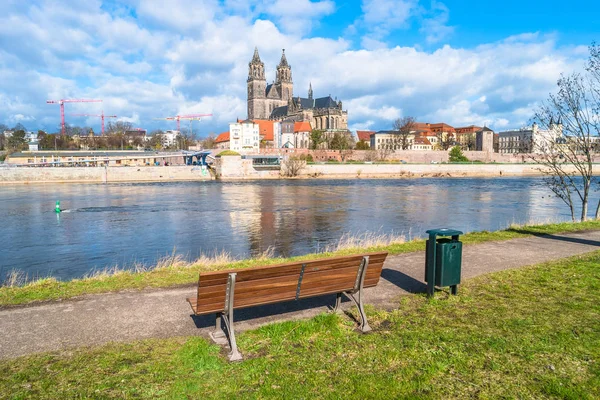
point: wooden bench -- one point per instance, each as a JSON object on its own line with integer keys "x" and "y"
{"x": 221, "y": 292}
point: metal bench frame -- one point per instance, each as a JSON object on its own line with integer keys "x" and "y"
{"x": 227, "y": 335}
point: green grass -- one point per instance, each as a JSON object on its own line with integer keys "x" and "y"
{"x": 177, "y": 273}
{"x": 532, "y": 333}
{"x": 228, "y": 153}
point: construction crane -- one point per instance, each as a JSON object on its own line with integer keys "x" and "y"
{"x": 96, "y": 115}
{"x": 190, "y": 117}
{"x": 62, "y": 108}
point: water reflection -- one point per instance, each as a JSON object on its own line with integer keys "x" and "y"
{"x": 119, "y": 224}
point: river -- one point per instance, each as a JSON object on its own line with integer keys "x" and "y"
{"x": 122, "y": 224}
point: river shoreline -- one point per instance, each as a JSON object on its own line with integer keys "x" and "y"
{"x": 20, "y": 175}
{"x": 177, "y": 273}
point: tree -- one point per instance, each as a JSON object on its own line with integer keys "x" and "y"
{"x": 316, "y": 138}
{"x": 292, "y": 166}
{"x": 362, "y": 145}
{"x": 404, "y": 126}
{"x": 468, "y": 141}
{"x": 571, "y": 121}
{"x": 456, "y": 155}
{"x": 118, "y": 127}
{"x": 156, "y": 140}
{"x": 341, "y": 142}
{"x": 445, "y": 140}
{"x": 17, "y": 140}
{"x": 209, "y": 141}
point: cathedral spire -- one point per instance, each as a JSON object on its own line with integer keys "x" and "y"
{"x": 256, "y": 68}
{"x": 283, "y": 62}
{"x": 255, "y": 57}
{"x": 310, "y": 91}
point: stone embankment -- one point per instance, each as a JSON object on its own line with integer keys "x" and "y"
{"x": 102, "y": 174}
{"x": 236, "y": 168}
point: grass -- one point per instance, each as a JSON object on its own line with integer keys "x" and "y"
{"x": 531, "y": 333}
{"x": 174, "y": 271}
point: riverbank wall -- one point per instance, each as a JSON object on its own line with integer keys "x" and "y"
{"x": 236, "y": 168}
{"x": 9, "y": 175}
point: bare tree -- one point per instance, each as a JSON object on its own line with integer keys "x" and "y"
{"x": 209, "y": 141}
{"x": 405, "y": 126}
{"x": 571, "y": 121}
{"x": 292, "y": 166}
{"x": 445, "y": 140}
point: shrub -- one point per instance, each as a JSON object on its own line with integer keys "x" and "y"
{"x": 456, "y": 155}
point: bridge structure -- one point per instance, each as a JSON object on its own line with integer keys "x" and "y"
{"x": 188, "y": 157}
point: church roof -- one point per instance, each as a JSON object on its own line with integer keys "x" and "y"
{"x": 364, "y": 135}
{"x": 223, "y": 137}
{"x": 303, "y": 126}
{"x": 272, "y": 88}
{"x": 325, "y": 102}
{"x": 279, "y": 112}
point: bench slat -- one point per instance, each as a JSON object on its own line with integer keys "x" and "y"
{"x": 277, "y": 283}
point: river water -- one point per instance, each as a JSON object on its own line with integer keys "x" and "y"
{"x": 122, "y": 224}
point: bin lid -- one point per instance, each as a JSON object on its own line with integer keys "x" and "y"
{"x": 444, "y": 232}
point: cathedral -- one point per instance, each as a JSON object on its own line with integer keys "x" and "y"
{"x": 276, "y": 101}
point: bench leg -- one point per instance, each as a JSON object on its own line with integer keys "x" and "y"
{"x": 218, "y": 336}
{"x": 234, "y": 355}
{"x": 359, "y": 291}
{"x": 338, "y": 302}
{"x": 364, "y": 324}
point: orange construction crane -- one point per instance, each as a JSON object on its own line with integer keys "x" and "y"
{"x": 62, "y": 108}
{"x": 96, "y": 115}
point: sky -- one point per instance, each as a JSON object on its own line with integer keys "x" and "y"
{"x": 458, "y": 62}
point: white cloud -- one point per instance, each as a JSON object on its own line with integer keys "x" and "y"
{"x": 147, "y": 60}
{"x": 435, "y": 25}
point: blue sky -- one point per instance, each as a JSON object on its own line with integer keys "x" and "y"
{"x": 459, "y": 62}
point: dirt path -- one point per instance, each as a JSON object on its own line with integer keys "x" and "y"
{"x": 128, "y": 316}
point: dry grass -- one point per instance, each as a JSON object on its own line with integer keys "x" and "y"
{"x": 364, "y": 241}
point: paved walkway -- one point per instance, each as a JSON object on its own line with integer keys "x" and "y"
{"x": 128, "y": 316}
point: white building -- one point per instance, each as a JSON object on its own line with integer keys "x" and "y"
{"x": 244, "y": 137}
{"x": 530, "y": 139}
{"x": 169, "y": 138}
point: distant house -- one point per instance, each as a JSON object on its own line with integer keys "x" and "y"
{"x": 222, "y": 141}
{"x": 421, "y": 143}
{"x": 365, "y": 136}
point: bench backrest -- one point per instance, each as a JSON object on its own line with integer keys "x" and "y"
{"x": 276, "y": 283}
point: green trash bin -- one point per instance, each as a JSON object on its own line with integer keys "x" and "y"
{"x": 443, "y": 260}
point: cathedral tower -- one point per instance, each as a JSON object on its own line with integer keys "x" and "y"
{"x": 284, "y": 82}
{"x": 257, "y": 85}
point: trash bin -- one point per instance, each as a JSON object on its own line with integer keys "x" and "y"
{"x": 443, "y": 260}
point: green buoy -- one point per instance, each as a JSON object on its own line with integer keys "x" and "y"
{"x": 57, "y": 209}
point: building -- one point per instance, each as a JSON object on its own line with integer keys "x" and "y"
{"x": 222, "y": 141}
{"x": 421, "y": 143}
{"x": 269, "y": 133}
{"x": 276, "y": 101}
{"x": 465, "y": 136}
{"x": 529, "y": 139}
{"x": 244, "y": 137}
{"x": 295, "y": 135}
{"x": 365, "y": 136}
{"x": 169, "y": 138}
{"x": 484, "y": 140}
